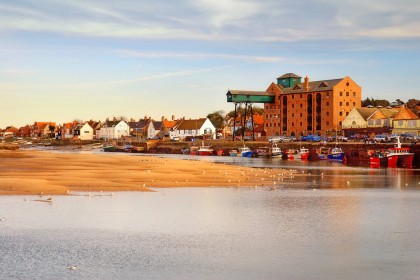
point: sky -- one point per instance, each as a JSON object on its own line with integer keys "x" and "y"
{"x": 62, "y": 60}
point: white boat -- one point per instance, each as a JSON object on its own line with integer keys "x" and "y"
{"x": 274, "y": 151}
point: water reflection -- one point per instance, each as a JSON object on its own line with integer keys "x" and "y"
{"x": 215, "y": 233}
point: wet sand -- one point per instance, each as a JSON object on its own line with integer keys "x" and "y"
{"x": 36, "y": 172}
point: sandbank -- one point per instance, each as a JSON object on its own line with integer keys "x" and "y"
{"x": 36, "y": 172}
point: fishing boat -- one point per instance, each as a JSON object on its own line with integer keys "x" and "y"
{"x": 274, "y": 151}
{"x": 304, "y": 153}
{"x": 399, "y": 156}
{"x": 193, "y": 150}
{"x": 245, "y": 151}
{"x": 205, "y": 150}
{"x": 336, "y": 154}
{"x": 233, "y": 153}
{"x": 378, "y": 159}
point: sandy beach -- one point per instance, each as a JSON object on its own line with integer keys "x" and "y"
{"x": 36, "y": 172}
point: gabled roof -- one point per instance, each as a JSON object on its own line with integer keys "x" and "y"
{"x": 405, "y": 114}
{"x": 157, "y": 125}
{"x": 384, "y": 113}
{"x": 111, "y": 123}
{"x": 191, "y": 124}
{"x": 138, "y": 125}
{"x": 42, "y": 125}
{"x": 169, "y": 124}
{"x": 313, "y": 86}
{"x": 365, "y": 112}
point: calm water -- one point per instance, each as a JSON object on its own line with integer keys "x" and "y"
{"x": 348, "y": 223}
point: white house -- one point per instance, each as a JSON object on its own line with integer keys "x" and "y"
{"x": 86, "y": 132}
{"x": 113, "y": 130}
{"x": 193, "y": 128}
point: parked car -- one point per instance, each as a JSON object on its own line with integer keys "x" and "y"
{"x": 380, "y": 138}
{"x": 289, "y": 139}
{"x": 310, "y": 137}
{"x": 275, "y": 139}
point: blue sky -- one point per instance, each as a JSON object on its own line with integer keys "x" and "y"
{"x": 66, "y": 60}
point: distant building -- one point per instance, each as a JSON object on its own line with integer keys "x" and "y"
{"x": 115, "y": 129}
{"x": 193, "y": 128}
{"x": 309, "y": 107}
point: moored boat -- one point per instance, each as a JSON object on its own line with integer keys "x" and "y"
{"x": 274, "y": 151}
{"x": 336, "y": 154}
{"x": 378, "y": 159}
{"x": 245, "y": 151}
{"x": 109, "y": 148}
{"x": 304, "y": 153}
{"x": 205, "y": 150}
{"x": 399, "y": 156}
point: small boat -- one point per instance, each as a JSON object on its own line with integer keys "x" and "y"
{"x": 245, "y": 151}
{"x": 304, "y": 153}
{"x": 109, "y": 148}
{"x": 274, "y": 151}
{"x": 205, "y": 150}
{"x": 220, "y": 152}
{"x": 336, "y": 154}
{"x": 233, "y": 153}
{"x": 97, "y": 146}
{"x": 322, "y": 153}
{"x": 193, "y": 150}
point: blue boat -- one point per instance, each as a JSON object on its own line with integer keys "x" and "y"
{"x": 246, "y": 152}
{"x": 336, "y": 154}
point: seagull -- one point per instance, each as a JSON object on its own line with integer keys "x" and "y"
{"x": 72, "y": 267}
{"x": 2, "y": 219}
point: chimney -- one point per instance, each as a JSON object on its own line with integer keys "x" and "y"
{"x": 173, "y": 117}
{"x": 163, "y": 118}
{"x": 306, "y": 86}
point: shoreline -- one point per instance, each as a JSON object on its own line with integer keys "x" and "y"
{"x": 41, "y": 172}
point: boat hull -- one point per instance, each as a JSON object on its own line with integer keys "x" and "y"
{"x": 247, "y": 154}
{"x": 336, "y": 157}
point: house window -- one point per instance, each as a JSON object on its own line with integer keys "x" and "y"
{"x": 354, "y": 94}
{"x": 293, "y": 106}
{"x": 327, "y": 104}
{"x": 347, "y": 94}
{"x": 354, "y": 104}
{"x": 347, "y": 113}
{"x": 341, "y": 103}
{"x": 300, "y": 114}
{"x": 341, "y": 93}
{"x": 300, "y": 105}
{"x": 301, "y": 124}
{"x": 328, "y": 113}
{"x": 347, "y": 104}
{"x": 341, "y": 113}
{"x": 327, "y": 94}
{"x": 293, "y": 124}
{"x": 293, "y": 115}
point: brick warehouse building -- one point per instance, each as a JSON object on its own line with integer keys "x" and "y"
{"x": 317, "y": 107}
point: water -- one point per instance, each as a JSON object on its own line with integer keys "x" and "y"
{"x": 318, "y": 227}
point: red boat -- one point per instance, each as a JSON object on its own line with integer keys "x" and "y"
{"x": 393, "y": 157}
{"x": 205, "y": 150}
{"x": 400, "y": 157}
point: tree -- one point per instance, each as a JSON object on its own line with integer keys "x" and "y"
{"x": 217, "y": 119}
{"x": 372, "y": 102}
{"x": 241, "y": 110}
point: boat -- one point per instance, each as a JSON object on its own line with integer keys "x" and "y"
{"x": 322, "y": 153}
{"x": 233, "y": 153}
{"x": 245, "y": 151}
{"x": 97, "y": 146}
{"x": 304, "y": 153}
{"x": 336, "y": 154}
{"x": 220, "y": 152}
{"x": 193, "y": 151}
{"x": 274, "y": 151}
{"x": 109, "y": 148}
{"x": 205, "y": 150}
{"x": 378, "y": 159}
{"x": 399, "y": 156}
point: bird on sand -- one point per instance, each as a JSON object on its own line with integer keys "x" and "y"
{"x": 72, "y": 267}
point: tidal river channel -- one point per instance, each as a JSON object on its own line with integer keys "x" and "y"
{"x": 338, "y": 223}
